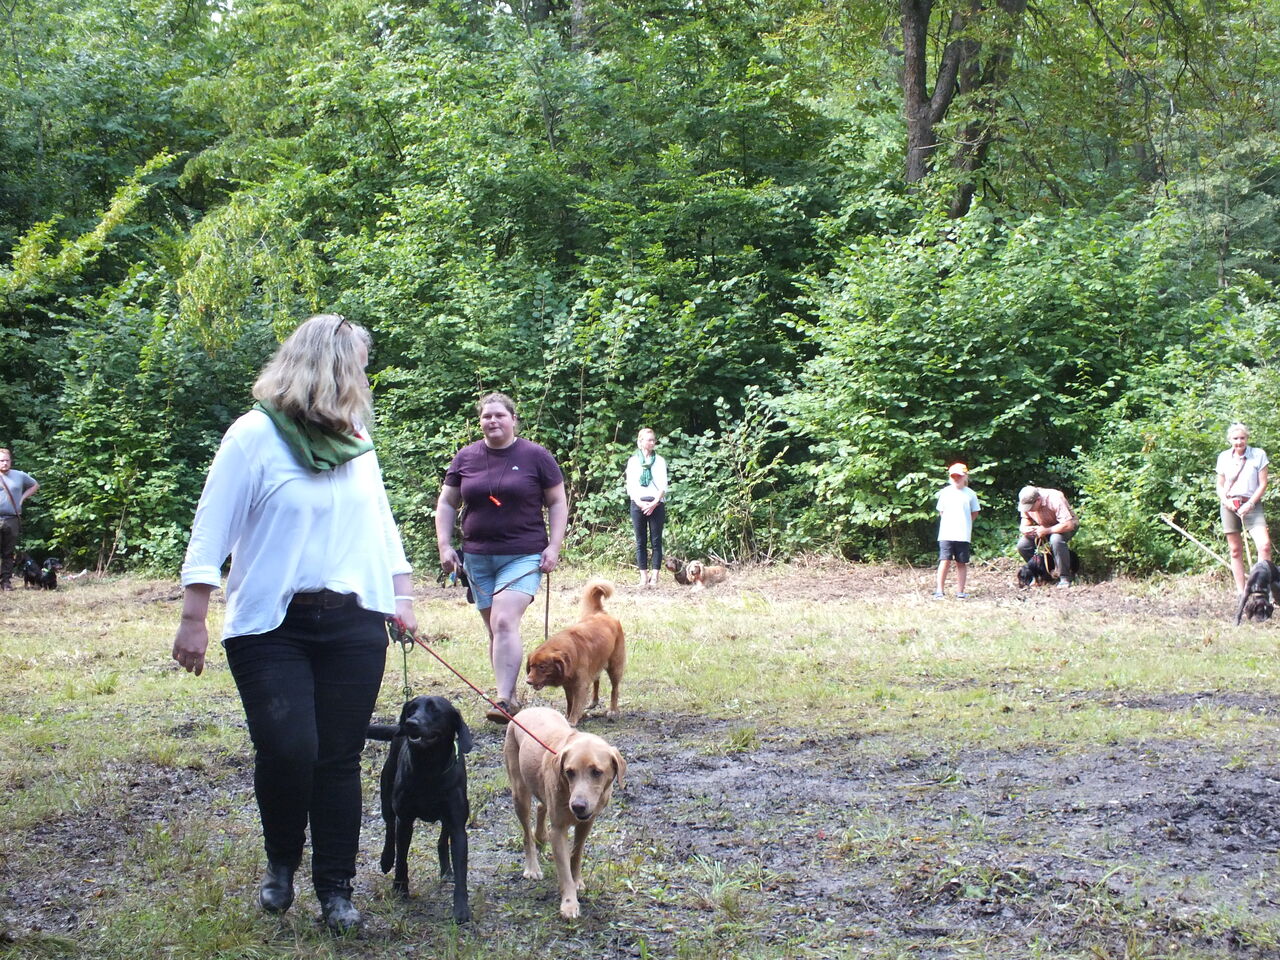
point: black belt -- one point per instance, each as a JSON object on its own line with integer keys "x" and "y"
{"x": 324, "y": 599}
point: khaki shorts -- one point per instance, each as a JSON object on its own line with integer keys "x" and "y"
{"x": 1231, "y": 522}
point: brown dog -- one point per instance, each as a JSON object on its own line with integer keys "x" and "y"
{"x": 572, "y": 785}
{"x": 574, "y": 657}
{"x": 702, "y": 576}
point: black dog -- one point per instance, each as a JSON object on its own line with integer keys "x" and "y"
{"x": 30, "y": 571}
{"x": 677, "y": 568}
{"x": 1040, "y": 569}
{"x": 1260, "y": 589}
{"x": 49, "y": 574}
{"x": 425, "y": 778}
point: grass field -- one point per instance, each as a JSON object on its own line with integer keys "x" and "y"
{"x": 823, "y": 762}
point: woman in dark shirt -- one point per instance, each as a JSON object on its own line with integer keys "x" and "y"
{"x": 505, "y": 482}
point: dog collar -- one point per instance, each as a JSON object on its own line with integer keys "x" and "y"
{"x": 454, "y": 759}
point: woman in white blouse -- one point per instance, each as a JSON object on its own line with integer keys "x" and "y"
{"x": 295, "y": 496}
{"x": 1242, "y": 482}
{"x": 647, "y": 488}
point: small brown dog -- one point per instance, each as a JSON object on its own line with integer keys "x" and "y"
{"x": 702, "y": 576}
{"x": 574, "y": 784}
{"x": 575, "y": 657}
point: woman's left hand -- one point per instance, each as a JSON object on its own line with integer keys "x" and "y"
{"x": 405, "y": 614}
{"x": 550, "y": 557}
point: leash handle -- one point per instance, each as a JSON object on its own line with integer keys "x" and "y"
{"x": 401, "y": 632}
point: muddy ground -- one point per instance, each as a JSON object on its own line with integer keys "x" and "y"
{"x": 786, "y": 842}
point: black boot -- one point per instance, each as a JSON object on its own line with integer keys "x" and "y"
{"x": 276, "y": 892}
{"x": 340, "y": 916}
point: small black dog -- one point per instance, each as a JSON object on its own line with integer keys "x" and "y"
{"x": 1040, "y": 569}
{"x": 49, "y": 574}
{"x": 30, "y": 571}
{"x": 425, "y": 778}
{"x": 677, "y": 568}
{"x": 1260, "y": 589}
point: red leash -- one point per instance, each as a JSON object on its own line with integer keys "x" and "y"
{"x": 399, "y": 633}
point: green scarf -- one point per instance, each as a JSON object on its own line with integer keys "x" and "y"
{"x": 317, "y": 448}
{"x": 646, "y": 469}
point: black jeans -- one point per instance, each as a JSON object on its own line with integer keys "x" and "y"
{"x": 648, "y": 529}
{"x": 10, "y": 530}
{"x": 309, "y": 688}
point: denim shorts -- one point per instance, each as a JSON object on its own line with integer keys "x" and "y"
{"x": 502, "y": 573}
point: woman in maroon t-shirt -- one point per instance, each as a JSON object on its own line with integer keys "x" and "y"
{"x": 505, "y": 483}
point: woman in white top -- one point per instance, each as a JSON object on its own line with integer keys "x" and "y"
{"x": 295, "y": 496}
{"x": 647, "y": 488}
{"x": 1242, "y": 480}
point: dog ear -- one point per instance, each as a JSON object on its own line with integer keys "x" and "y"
{"x": 619, "y": 767}
{"x": 561, "y": 759}
{"x": 404, "y": 715}
{"x": 564, "y": 663}
{"x": 465, "y": 743}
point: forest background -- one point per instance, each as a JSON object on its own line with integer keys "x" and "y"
{"x": 822, "y": 249}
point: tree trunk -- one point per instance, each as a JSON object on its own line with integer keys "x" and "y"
{"x": 961, "y": 69}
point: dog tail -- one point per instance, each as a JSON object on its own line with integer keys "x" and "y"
{"x": 382, "y": 731}
{"x": 593, "y": 595}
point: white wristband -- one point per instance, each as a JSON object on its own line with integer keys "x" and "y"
{"x": 399, "y": 597}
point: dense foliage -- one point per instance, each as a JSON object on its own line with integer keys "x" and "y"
{"x": 704, "y": 218}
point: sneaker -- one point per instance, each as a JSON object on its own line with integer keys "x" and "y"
{"x": 938, "y": 594}
{"x": 962, "y": 596}
{"x": 1064, "y": 582}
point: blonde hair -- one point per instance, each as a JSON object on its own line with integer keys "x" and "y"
{"x": 1237, "y": 426}
{"x": 495, "y": 397}
{"x": 642, "y": 431}
{"x": 317, "y": 374}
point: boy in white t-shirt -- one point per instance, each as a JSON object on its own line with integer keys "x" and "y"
{"x": 958, "y": 507}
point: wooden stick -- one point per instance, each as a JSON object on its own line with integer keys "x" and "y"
{"x": 1165, "y": 517}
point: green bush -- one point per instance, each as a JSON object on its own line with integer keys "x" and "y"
{"x": 997, "y": 343}
{"x": 1163, "y": 463}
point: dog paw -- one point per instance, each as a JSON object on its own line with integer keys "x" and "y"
{"x": 400, "y": 888}
{"x": 462, "y": 913}
{"x": 580, "y": 884}
{"x": 387, "y": 862}
{"x": 532, "y": 873}
{"x": 569, "y": 909}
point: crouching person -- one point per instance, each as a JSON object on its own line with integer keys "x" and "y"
{"x": 1045, "y": 513}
